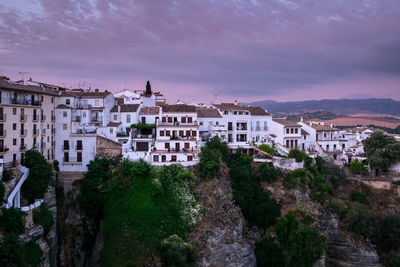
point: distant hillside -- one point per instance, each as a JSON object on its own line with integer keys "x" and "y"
{"x": 321, "y": 115}
{"x": 336, "y": 106}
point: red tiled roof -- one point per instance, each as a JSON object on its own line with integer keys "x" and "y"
{"x": 229, "y": 106}
{"x": 208, "y": 113}
{"x": 178, "y": 108}
{"x": 126, "y": 108}
{"x": 150, "y": 111}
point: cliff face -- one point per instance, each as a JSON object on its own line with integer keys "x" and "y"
{"x": 219, "y": 238}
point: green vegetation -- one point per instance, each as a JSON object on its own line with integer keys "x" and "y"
{"x": 321, "y": 115}
{"x": 43, "y": 217}
{"x": 157, "y": 203}
{"x": 382, "y": 151}
{"x": 148, "y": 89}
{"x": 302, "y": 244}
{"x": 386, "y": 129}
{"x": 357, "y": 166}
{"x": 257, "y": 205}
{"x": 40, "y": 176}
{"x": 56, "y": 165}
{"x": 142, "y": 126}
{"x": 12, "y": 220}
{"x": 363, "y": 222}
{"x": 211, "y": 156}
{"x": 297, "y": 154}
{"x": 7, "y": 176}
{"x": 176, "y": 252}
{"x": 268, "y": 253}
{"x": 359, "y": 197}
{"x": 2, "y": 192}
{"x": 13, "y": 253}
{"x": 267, "y": 172}
{"x": 267, "y": 148}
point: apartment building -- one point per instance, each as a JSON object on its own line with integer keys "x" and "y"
{"x": 285, "y": 135}
{"x": 177, "y": 136}
{"x": 26, "y": 121}
{"x": 260, "y": 121}
{"x": 125, "y": 115}
{"x": 211, "y": 124}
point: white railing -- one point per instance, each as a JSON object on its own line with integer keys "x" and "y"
{"x": 14, "y": 198}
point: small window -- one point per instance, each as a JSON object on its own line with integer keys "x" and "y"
{"x": 166, "y": 145}
{"x": 79, "y": 157}
{"x": 187, "y": 133}
{"x": 287, "y": 130}
{"x": 201, "y": 123}
{"x": 180, "y": 133}
{"x": 164, "y": 119}
{"x": 155, "y": 158}
{"x": 217, "y": 123}
{"x": 190, "y": 119}
{"x": 115, "y": 117}
{"x": 189, "y": 158}
{"x": 14, "y": 126}
{"x": 161, "y": 133}
{"x": 52, "y": 100}
{"x": 14, "y": 111}
{"x": 194, "y": 133}
{"x": 14, "y": 141}
{"x": 183, "y": 119}
{"x": 67, "y": 101}
{"x": 167, "y": 133}
{"x": 65, "y": 127}
{"x": 291, "y": 130}
{"x": 296, "y": 130}
{"x": 84, "y": 114}
{"x": 128, "y": 118}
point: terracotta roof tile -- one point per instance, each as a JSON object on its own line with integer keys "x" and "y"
{"x": 62, "y": 106}
{"x": 208, "y": 113}
{"x": 126, "y": 108}
{"x": 229, "y": 106}
{"x": 257, "y": 111}
{"x": 178, "y": 108}
{"x": 150, "y": 111}
{"x": 26, "y": 88}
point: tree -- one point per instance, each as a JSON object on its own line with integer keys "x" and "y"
{"x": 11, "y": 250}
{"x": 148, "y": 88}
{"x": 269, "y": 254}
{"x": 40, "y": 176}
{"x": 43, "y": 217}
{"x": 267, "y": 148}
{"x": 2, "y": 192}
{"x": 211, "y": 154}
{"x": 357, "y": 166}
{"x": 297, "y": 154}
{"x": 33, "y": 254}
{"x": 13, "y": 220}
{"x": 267, "y": 172}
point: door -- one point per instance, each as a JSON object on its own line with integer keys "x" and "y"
{"x": 177, "y": 146}
{"x": 143, "y": 120}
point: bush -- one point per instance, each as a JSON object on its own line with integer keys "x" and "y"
{"x": 295, "y": 178}
{"x": 13, "y": 220}
{"x": 338, "y": 208}
{"x": 43, "y": 217}
{"x": 269, "y": 254}
{"x": 140, "y": 169}
{"x": 176, "y": 252}
{"x": 359, "y": 197}
{"x": 362, "y": 222}
{"x": 394, "y": 260}
{"x": 267, "y": 172}
{"x": 33, "y": 253}
{"x": 11, "y": 250}
{"x": 211, "y": 155}
{"x": 284, "y": 228}
{"x": 2, "y": 193}
{"x": 40, "y": 176}
{"x": 7, "y": 176}
{"x": 297, "y": 154}
{"x": 390, "y": 232}
{"x": 357, "y": 166}
{"x": 267, "y": 148}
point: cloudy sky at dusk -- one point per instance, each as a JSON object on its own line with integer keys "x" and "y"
{"x": 208, "y": 49}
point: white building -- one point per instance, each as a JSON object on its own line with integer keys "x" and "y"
{"x": 285, "y": 135}
{"x": 211, "y": 124}
{"x": 260, "y": 121}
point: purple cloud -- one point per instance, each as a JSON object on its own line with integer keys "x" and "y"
{"x": 247, "y": 50}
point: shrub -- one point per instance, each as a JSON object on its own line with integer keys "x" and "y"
{"x": 390, "y": 232}
{"x": 357, "y": 166}
{"x": 296, "y": 177}
{"x": 284, "y": 228}
{"x": 319, "y": 188}
{"x": 267, "y": 172}
{"x": 43, "y": 217}
{"x": 140, "y": 169}
{"x": 2, "y": 192}
{"x": 7, "y": 176}
{"x": 269, "y": 254}
{"x": 338, "y": 208}
{"x": 33, "y": 254}
{"x": 359, "y": 197}
{"x": 217, "y": 144}
{"x": 210, "y": 156}
{"x": 362, "y": 222}
{"x": 267, "y": 148}
{"x": 394, "y": 260}
{"x": 297, "y": 154}
{"x": 13, "y": 220}
{"x": 176, "y": 252}
{"x": 40, "y": 176}
{"x": 11, "y": 250}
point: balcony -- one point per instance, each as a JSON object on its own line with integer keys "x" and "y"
{"x": 3, "y": 149}
{"x": 83, "y": 106}
{"x": 3, "y": 117}
{"x": 22, "y": 147}
{"x": 43, "y": 131}
{"x": 72, "y": 161}
{"x": 23, "y": 117}
{"x": 35, "y": 132}
{"x": 3, "y": 133}
{"x": 35, "y": 117}
{"x": 53, "y": 130}
{"x": 97, "y": 119}
{"x": 43, "y": 146}
{"x": 26, "y": 102}
{"x": 35, "y": 146}
{"x": 76, "y": 118}
{"x": 122, "y": 134}
{"x": 79, "y": 148}
{"x": 177, "y": 123}
{"x": 23, "y": 132}
{"x": 43, "y": 117}
{"x": 53, "y": 118}
{"x": 143, "y": 136}
{"x": 65, "y": 147}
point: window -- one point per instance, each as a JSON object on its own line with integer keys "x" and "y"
{"x": 187, "y": 145}
{"x": 187, "y": 133}
{"x": 164, "y": 119}
{"x": 324, "y": 135}
{"x": 291, "y": 130}
{"x": 79, "y": 145}
{"x": 48, "y": 126}
{"x": 15, "y": 141}
{"x": 115, "y": 117}
{"x": 194, "y": 133}
{"x": 287, "y": 143}
{"x": 183, "y": 119}
{"x": 189, "y": 158}
{"x": 79, "y": 156}
{"x": 296, "y": 131}
{"x": 66, "y": 157}
{"x": 66, "y": 145}
{"x": 161, "y": 133}
{"x": 334, "y": 147}
{"x": 265, "y": 125}
{"x": 67, "y": 101}
{"x": 287, "y": 130}
{"x": 181, "y": 133}
{"x": 210, "y": 123}
{"x": 166, "y": 145}
{"x": 230, "y": 126}
{"x": 14, "y": 111}
{"x": 65, "y": 127}
{"x": 111, "y": 130}
{"x": 190, "y": 120}
{"x": 128, "y": 118}
{"x": 52, "y": 100}
{"x": 167, "y": 133}
{"x": 173, "y": 158}
{"x": 170, "y": 119}
{"x": 84, "y": 114}
{"x": 41, "y": 98}
{"x": 217, "y": 123}
{"x": 14, "y": 126}
{"x": 163, "y": 158}
{"x": 155, "y": 158}
{"x": 201, "y": 123}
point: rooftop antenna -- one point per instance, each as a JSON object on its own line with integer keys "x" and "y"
{"x": 22, "y": 73}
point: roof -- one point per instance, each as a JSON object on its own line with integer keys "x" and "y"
{"x": 150, "y": 111}
{"x": 272, "y": 135}
{"x": 319, "y": 127}
{"x": 229, "y": 106}
{"x": 286, "y": 123}
{"x": 29, "y": 88}
{"x": 208, "y": 113}
{"x": 304, "y": 132}
{"x": 62, "y": 106}
{"x": 126, "y": 108}
{"x": 257, "y": 111}
{"x": 85, "y": 94}
{"x": 178, "y": 108}
{"x": 113, "y": 124}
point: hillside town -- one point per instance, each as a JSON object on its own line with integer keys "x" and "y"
{"x": 73, "y": 126}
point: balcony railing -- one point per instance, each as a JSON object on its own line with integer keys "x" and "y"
{"x": 35, "y": 146}
{"x": 72, "y": 161}
{"x": 3, "y": 133}
{"x": 43, "y": 131}
{"x": 23, "y": 117}
{"x": 79, "y": 147}
{"x": 176, "y": 123}
{"x": 144, "y": 136}
{"x": 35, "y": 131}
{"x": 65, "y": 147}
{"x": 53, "y": 130}
{"x": 43, "y": 145}
{"x": 97, "y": 119}
{"x": 3, "y": 117}
{"x": 25, "y": 102}
{"x": 23, "y": 132}
{"x": 122, "y": 134}
{"x": 22, "y": 147}
{"x": 3, "y": 149}
{"x": 35, "y": 117}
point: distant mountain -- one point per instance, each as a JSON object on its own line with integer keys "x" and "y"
{"x": 336, "y": 106}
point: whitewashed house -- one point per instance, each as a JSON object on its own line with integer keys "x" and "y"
{"x": 211, "y": 124}
{"x": 260, "y": 121}
{"x": 285, "y": 135}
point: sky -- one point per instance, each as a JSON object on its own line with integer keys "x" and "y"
{"x": 207, "y": 50}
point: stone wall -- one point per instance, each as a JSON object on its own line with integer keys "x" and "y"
{"x": 106, "y": 148}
